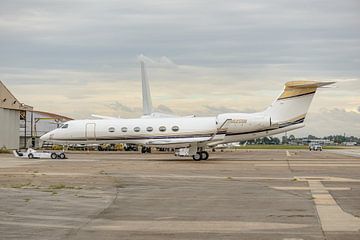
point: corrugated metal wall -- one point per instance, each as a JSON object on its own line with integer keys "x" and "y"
{"x": 9, "y": 128}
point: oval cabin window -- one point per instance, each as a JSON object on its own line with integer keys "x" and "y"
{"x": 111, "y": 129}
{"x": 175, "y": 128}
{"x": 162, "y": 129}
{"x": 136, "y": 129}
{"x": 149, "y": 129}
{"x": 124, "y": 129}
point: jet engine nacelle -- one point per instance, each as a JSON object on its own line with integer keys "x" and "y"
{"x": 242, "y": 122}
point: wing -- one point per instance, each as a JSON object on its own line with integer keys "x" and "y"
{"x": 103, "y": 117}
{"x": 181, "y": 142}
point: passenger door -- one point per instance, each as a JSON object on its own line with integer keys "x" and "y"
{"x": 90, "y": 131}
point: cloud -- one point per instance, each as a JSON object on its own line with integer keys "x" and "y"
{"x": 223, "y": 109}
{"x": 219, "y": 109}
{"x": 122, "y": 108}
{"x": 164, "y": 109}
{"x": 203, "y": 57}
{"x": 162, "y": 62}
{"x": 339, "y": 120}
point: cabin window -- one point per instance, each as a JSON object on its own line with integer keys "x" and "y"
{"x": 162, "y": 129}
{"x": 111, "y": 129}
{"x": 175, "y": 128}
{"x": 124, "y": 129}
{"x": 149, "y": 129}
{"x": 65, "y": 126}
{"x": 136, "y": 129}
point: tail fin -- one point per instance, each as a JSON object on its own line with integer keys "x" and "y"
{"x": 147, "y": 103}
{"x": 293, "y": 103}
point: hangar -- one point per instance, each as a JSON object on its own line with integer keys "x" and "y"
{"x": 11, "y": 112}
{"x": 20, "y": 125}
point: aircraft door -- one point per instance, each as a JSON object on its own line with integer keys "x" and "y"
{"x": 90, "y": 131}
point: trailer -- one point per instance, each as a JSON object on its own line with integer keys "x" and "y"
{"x": 31, "y": 153}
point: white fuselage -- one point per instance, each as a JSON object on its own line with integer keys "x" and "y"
{"x": 174, "y": 132}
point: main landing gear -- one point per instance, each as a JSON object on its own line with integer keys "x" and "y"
{"x": 203, "y": 155}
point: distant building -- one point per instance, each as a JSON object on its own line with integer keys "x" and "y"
{"x": 349, "y": 143}
{"x": 20, "y": 125}
{"x": 307, "y": 141}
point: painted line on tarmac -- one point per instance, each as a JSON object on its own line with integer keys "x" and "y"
{"x": 307, "y": 165}
{"x": 308, "y": 189}
{"x": 175, "y": 176}
{"x": 50, "y": 173}
{"x": 175, "y": 226}
{"x": 331, "y": 215}
{"x": 351, "y": 153}
{"x": 40, "y": 225}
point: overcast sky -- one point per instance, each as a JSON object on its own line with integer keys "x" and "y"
{"x": 79, "y": 58}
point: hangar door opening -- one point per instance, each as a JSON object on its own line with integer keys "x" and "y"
{"x": 90, "y": 131}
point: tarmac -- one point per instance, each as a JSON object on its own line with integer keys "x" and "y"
{"x": 244, "y": 194}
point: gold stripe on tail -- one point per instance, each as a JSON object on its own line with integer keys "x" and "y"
{"x": 299, "y": 88}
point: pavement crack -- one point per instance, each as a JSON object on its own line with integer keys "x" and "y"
{"x": 75, "y": 231}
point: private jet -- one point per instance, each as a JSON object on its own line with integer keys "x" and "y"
{"x": 191, "y": 135}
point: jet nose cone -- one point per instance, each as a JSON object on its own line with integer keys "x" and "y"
{"x": 45, "y": 137}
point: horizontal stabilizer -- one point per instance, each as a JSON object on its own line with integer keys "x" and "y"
{"x": 307, "y": 84}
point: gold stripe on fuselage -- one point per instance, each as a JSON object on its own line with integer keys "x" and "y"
{"x": 294, "y": 119}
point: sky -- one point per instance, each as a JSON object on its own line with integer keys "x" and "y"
{"x": 77, "y": 57}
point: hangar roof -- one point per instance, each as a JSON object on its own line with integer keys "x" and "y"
{"x": 9, "y": 101}
{"x": 53, "y": 116}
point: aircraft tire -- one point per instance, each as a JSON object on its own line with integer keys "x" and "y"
{"x": 204, "y": 155}
{"x": 197, "y": 156}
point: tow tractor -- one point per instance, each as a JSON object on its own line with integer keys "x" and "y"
{"x": 31, "y": 153}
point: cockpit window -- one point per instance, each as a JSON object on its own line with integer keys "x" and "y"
{"x": 65, "y": 126}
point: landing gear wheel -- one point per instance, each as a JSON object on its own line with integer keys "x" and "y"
{"x": 197, "y": 156}
{"x": 62, "y": 156}
{"x": 204, "y": 155}
{"x": 53, "y": 156}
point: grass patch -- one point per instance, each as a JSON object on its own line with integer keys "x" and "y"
{"x": 62, "y": 186}
{"x": 20, "y": 185}
{"x": 57, "y": 186}
{"x": 4, "y": 150}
